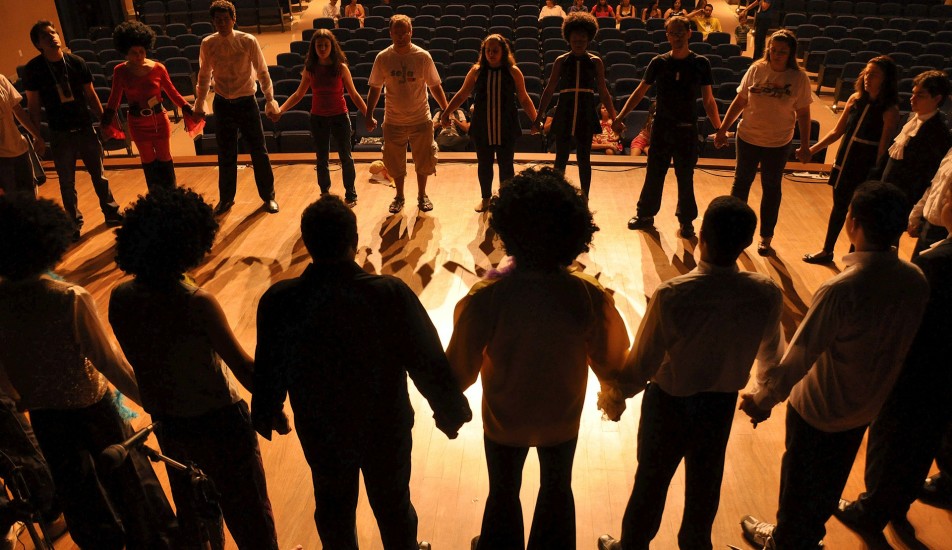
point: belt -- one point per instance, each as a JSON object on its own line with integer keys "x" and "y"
{"x": 148, "y": 111}
{"x": 235, "y": 100}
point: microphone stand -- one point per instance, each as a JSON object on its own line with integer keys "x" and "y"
{"x": 31, "y": 516}
{"x": 204, "y": 496}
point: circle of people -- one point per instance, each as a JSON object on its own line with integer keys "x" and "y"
{"x": 860, "y": 358}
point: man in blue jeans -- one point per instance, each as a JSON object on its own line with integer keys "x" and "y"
{"x": 235, "y": 60}
{"x": 61, "y": 84}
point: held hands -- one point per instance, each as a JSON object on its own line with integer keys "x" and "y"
{"x": 198, "y": 110}
{"x": 445, "y": 120}
{"x": 274, "y": 117}
{"x": 756, "y": 414}
{"x": 914, "y": 228}
{"x": 803, "y": 154}
{"x": 450, "y": 424}
{"x": 720, "y": 138}
{"x": 39, "y": 146}
{"x": 611, "y": 402}
{"x": 618, "y": 126}
{"x": 371, "y": 123}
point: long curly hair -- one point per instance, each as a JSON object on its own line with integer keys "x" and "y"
{"x": 133, "y": 33}
{"x": 311, "y": 60}
{"x": 889, "y": 92}
{"x": 543, "y": 221}
{"x": 507, "y": 59}
{"x": 165, "y": 233}
{"x": 35, "y": 235}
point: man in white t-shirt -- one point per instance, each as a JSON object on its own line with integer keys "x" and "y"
{"x": 406, "y": 71}
{"x": 16, "y": 170}
{"x": 331, "y": 10}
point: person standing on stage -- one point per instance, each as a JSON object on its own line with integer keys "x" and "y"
{"x": 497, "y": 83}
{"x": 681, "y": 77}
{"x": 16, "y": 168}
{"x": 767, "y": 17}
{"x": 61, "y": 84}
{"x": 234, "y": 59}
{"x": 406, "y": 71}
{"x": 693, "y": 353}
{"x": 775, "y": 97}
{"x": 142, "y": 81}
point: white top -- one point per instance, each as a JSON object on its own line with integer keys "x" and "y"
{"x": 235, "y": 61}
{"x": 546, "y": 11}
{"x": 331, "y": 11}
{"x": 703, "y": 330}
{"x": 909, "y": 131}
{"x": 845, "y": 357}
{"x": 12, "y": 142}
{"x": 405, "y": 78}
{"x": 772, "y": 101}
{"x": 932, "y": 201}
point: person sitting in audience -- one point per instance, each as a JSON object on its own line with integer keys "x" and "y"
{"x": 331, "y": 10}
{"x": 839, "y": 369}
{"x": 651, "y": 11}
{"x": 925, "y": 220}
{"x": 538, "y": 321}
{"x": 705, "y": 20}
{"x": 178, "y": 341}
{"x": 551, "y": 9}
{"x": 607, "y": 141}
{"x": 675, "y": 9}
{"x": 455, "y": 136}
{"x": 693, "y": 353}
{"x": 579, "y": 5}
{"x": 642, "y": 142}
{"x": 625, "y": 10}
{"x": 603, "y": 9}
{"x": 57, "y": 361}
{"x": 355, "y": 9}
{"x": 345, "y": 371}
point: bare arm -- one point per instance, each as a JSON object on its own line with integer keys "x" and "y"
{"x": 215, "y": 325}
{"x": 373, "y": 96}
{"x": 547, "y": 92}
{"x": 618, "y": 126}
{"x": 298, "y": 94}
{"x": 890, "y": 123}
{"x": 439, "y": 95}
{"x": 96, "y": 346}
{"x": 803, "y": 122}
{"x": 837, "y": 130}
{"x": 734, "y": 111}
{"x": 466, "y": 90}
{"x": 710, "y": 106}
{"x": 352, "y": 90}
{"x": 603, "y": 88}
{"x": 520, "y": 81}
{"x": 35, "y": 106}
{"x": 27, "y": 121}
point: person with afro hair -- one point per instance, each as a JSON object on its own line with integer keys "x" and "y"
{"x": 531, "y": 335}
{"x": 57, "y": 362}
{"x": 143, "y": 81}
{"x": 178, "y": 341}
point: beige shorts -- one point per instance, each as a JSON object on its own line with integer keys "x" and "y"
{"x": 422, "y": 147}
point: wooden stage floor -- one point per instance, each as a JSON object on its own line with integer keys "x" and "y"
{"x": 440, "y": 255}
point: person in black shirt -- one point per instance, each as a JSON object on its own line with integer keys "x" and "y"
{"x": 61, "y": 84}
{"x": 340, "y": 342}
{"x": 681, "y": 77}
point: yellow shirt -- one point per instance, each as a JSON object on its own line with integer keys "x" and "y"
{"x": 532, "y": 335}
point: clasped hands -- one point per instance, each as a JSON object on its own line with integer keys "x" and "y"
{"x": 750, "y": 408}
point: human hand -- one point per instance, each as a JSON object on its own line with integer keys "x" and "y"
{"x": 39, "y": 146}
{"x": 803, "y": 154}
{"x": 750, "y": 408}
{"x": 720, "y": 138}
{"x": 281, "y": 424}
{"x": 914, "y": 228}
{"x": 274, "y": 117}
{"x": 618, "y": 126}
{"x": 371, "y": 123}
{"x": 611, "y": 402}
{"x": 445, "y": 120}
{"x": 450, "y": 423}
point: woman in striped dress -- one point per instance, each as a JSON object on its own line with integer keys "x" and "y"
{"x": 496, "y": 82}
{"x": 868, "y": 124}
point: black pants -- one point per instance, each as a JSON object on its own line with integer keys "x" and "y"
{"x": 583, "y": 157}
{"x": 484, "y": 162}
{"x": 81, "y": 144}
{"x": 224, "y": 446}
{"x": 105, "y": 510}
{"x": 16, "y": 176}
{"x": 903, "y": 440}
{"x": 771, "y": 161}
{"x": 338, "y": 127}
{"x": 384, "y": 460}
{"x": 694, "y": 428}
{"x": 670, "y": 141}
{"x": 553, "y": 521}
{"x": 814, "y": 471}
{"x": 20, "y": 449}
{"x": 233, "y": 115}
{"x": 928, "y": 236}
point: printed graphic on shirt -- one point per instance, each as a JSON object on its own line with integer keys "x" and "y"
{"x": 404, "y": 74}
{"x": 771, "y": 89}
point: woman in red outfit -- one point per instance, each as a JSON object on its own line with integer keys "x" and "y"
{"x": 143, "y": 80}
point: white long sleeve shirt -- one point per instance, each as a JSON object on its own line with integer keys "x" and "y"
{"x": 845, "y": 357}
{"x": 235, "y": 61}
{"x": 930, "y": 205}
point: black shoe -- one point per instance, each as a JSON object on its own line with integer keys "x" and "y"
{"x": 687, "y": 231}
{"x": 75, "y": 235}
{"x": 641, "y": 222}
{"x": 271, "y": 206}
{"x": 822, "y": 257}
{"x": 764, "y": 248}
{"x": 350, "y": 201}
{"x": 904, "y": 530}
{"x": 114, "y": 220}
{"x": 851, "y": 514}
{"x": 937, "y": 491}
{"x": 607, "y": 542}
{"x": 474, "y": 543}
{"x": 223, "y": 207}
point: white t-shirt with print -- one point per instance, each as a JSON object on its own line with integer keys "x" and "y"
{"x": 772, "y": 100}
{"x": 12, "y": 142}
{"x": 405, "y": 78}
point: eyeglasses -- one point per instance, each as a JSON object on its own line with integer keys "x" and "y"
{"x": 676, "y": 34}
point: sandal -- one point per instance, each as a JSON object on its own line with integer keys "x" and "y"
{"x": 821, "y": 257}
{"x": 396, "y": 205}
{"x": 763, "y": 247}
{"x": 424, "y": 203}
{"x": 482, "y": 205}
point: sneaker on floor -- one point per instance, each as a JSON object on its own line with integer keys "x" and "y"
{"x": 608, "y": 542}
{"x": 424, "y": 203}
{"x": 641, "y": 222}
{"x": 423, "y": 545}
{"x": 474, "y": 543}
{"x": 482, "y": 205}
{"x": 350, "y": 201}
{"x": 114, "y": 220}
{"x": 937, "y": 491}
{"x": 759, "y": 533}
{"x": 851, "y": 514}
{"x": 396, "y": 205}
{"x": 687, "y": 231}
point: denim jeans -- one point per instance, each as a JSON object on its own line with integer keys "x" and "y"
{"x": 772, "y": 161}
{"x": 669, "y": 140}
{"x": 234, "y": 115}
{"x": 553, "y": 521}
{"x": 484, "y": 161}
{"x": 84, "y": 144}
{"x": 322, "y": 129}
